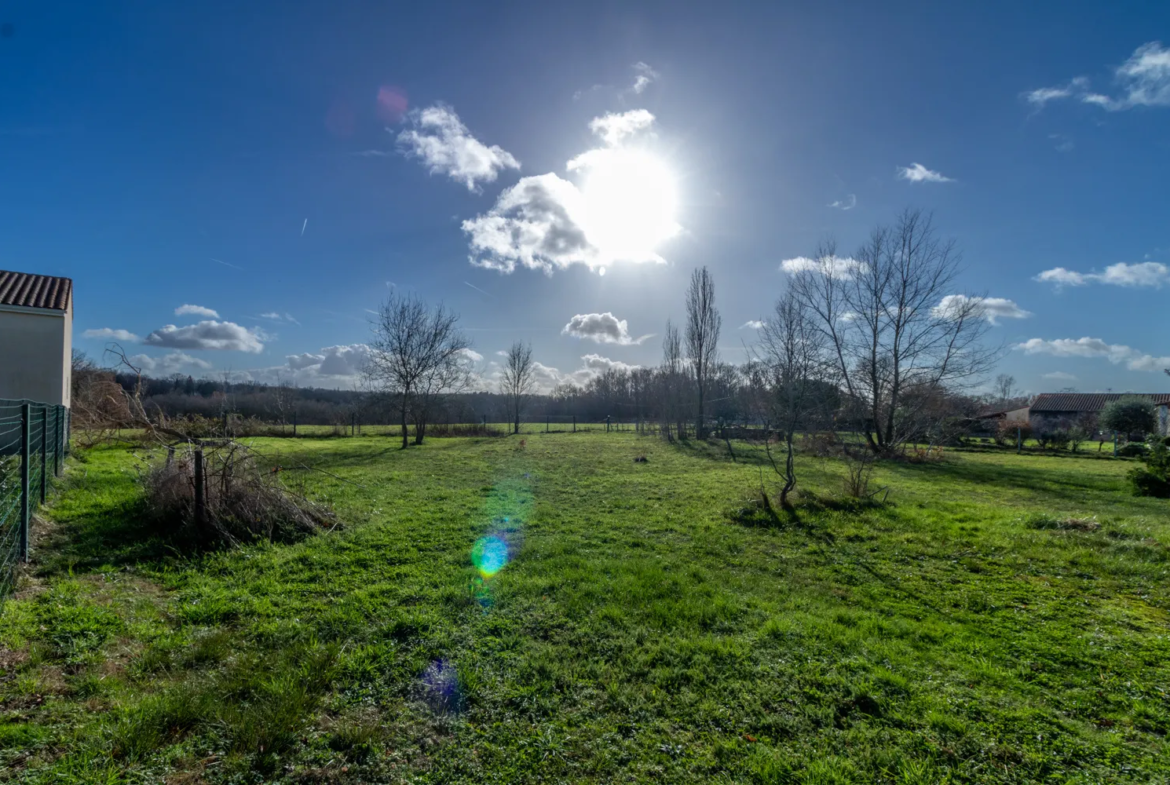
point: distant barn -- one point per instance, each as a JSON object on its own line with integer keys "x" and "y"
{"x": 1054, "y": 410}
{"x": 36, "y": 337}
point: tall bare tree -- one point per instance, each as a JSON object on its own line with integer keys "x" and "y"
{"x": 794, "y": 364}
{"x": 1004, "y": 389}
{"x": 895, "y": 324}
{"x": 670, "y": 379}
{"x": 416, "y": 355}
{"x": 518, "y": 380}
{"x": 703, "y": 325}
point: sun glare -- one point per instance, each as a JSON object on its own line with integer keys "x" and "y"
{"x": 630, "y": 202}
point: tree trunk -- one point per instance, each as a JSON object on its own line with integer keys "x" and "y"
{"x": 420, "y": 430}
{"x": 405, "y": 443}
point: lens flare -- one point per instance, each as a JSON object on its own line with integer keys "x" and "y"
{"x": 489, "y": 555}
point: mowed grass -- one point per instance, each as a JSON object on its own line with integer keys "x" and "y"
{"x": 1003, "y": 619}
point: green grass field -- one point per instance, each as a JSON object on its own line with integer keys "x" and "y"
{"x": 1003, "y": 619}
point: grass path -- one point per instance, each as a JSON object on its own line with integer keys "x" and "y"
{"x": 637, "y": 632}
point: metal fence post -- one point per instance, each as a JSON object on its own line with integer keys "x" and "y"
{"x": 44, "y": 446}
{"x": 25, "y": 459}
{"x": 56, "y": 441}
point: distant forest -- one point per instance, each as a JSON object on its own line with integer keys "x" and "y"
{"x": 623, "y": 396}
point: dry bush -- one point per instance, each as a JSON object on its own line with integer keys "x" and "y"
{"x": 243, "y": 501}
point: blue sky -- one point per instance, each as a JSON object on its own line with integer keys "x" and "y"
{"x": 295, "y": 160}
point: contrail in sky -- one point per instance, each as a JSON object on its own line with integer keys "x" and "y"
{"x": 481, "y": 291}
{"x": 225, "y": 264}
{"x": 306, "y": 223}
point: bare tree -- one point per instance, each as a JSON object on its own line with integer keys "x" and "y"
{"x": 282, "y": 397}
{"x": 792, "y": 361}
{"x": 894, "y": 324}
{"x": 416, "y": 355}
{"x": 1004, "y": 389}
{"x": 671, "y": 382}
{"x": 703, "y": 324}
{"x": 518, "y": 380}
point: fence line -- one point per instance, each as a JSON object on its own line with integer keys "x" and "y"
{"x": 34, "y": 440}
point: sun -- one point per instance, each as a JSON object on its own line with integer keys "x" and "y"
{"x": 629, "y": 201}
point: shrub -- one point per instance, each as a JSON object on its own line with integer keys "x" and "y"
{"x": 1154, "y": 478}
{"x": 1006, "y": 430}
{"x": 242, "y": 501}
{"x": 1129, "y": 414}
{"x": 1132, "y": 450}
{"x": 1052, "y": 439}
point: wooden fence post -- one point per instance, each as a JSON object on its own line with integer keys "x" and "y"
{"x": 25, "y": 459}
{"x": 607, "y": 423}
{"x": 574, "y": 423}
{"x": 294, "y": 423}
{"x": 199, "y": 502}
{"x": 546, "y": 421}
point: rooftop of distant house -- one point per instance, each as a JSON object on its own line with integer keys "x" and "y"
{"x": 1086, "y": 402}
{"x": 29, "y": 290}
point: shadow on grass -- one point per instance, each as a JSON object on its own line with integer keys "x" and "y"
{"x": 119, "y": 535}
{"x": 1062, "y": 484}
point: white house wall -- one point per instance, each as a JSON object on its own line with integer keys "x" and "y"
{"x": 31, "y": 361}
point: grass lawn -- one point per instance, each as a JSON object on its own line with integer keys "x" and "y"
{"x": 640, "y": 630}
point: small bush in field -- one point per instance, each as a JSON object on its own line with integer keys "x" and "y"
{"x": 243, "y": 501}
{"x": 1006, "y": 432}
{"x": 1132, "y": 450}
{"x": 1154, "y": 478}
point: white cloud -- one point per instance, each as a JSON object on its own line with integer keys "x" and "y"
{"x": 196, "y": 310}
{"x": 1060, "y": 376}
{"x": 271, "y": 315}
{"x": 538, "y": 223}
{"x": 299, "y": 362}
{"x": 837, "y": 266}
{"x": 1153, "y": 274}
{"x": 1145, "y": 76}
{"x": 592, "y": 366}
{"x": 752, "y": 324}
{"x": 1043, "y": 95}
{"x": 644, "y": 76}
{"x": 917, "y": 173}
{"x": 601, "y": 328}
{"x": 472, "y": 355}
{"x": 614, "y": 127}
{"x": 991, "y": 308}
{"x": 502, "y": 353}
{"x": 440, "y": 140}
{"x": 173, "y": 362}
{"x": 1143, "y": 79}
{"x": 333, "y": 366}
{"x": 545, "y": 222}
{"x": 848, "y": 203}
{"x": 208, "y": 335}
{"x": 1095, "y": 347}
{"x": 112, "y": 335}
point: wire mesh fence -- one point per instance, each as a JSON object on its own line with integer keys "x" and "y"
{"x": 34, "y": 440}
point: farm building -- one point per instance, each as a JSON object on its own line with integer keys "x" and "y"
{"x": 36, "y": 337}
{"x": 1054, "y": 410}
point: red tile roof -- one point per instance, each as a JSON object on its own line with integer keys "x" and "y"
{"x": 1085, "y": 402}
{"x": 29, "y": 290}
